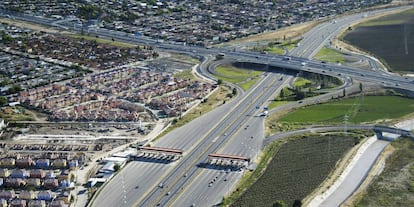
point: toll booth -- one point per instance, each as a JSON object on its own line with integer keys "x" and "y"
{"x": 228, "y": 160}
{"x": 160, "y": 153}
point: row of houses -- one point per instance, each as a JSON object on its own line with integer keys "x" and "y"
{"x": 98, "y": 97}
{"x": 39, "y": 163}
{"x": 31, "y": 203}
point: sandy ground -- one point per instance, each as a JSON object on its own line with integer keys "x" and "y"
{"x": 32, "y": 26}
{"x": 290, "y": 32}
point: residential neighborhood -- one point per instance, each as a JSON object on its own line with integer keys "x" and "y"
{"x": 193, "y": 22}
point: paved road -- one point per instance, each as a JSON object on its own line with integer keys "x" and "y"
{"x": 197, "y": 146}
{"x": 212, "y": 142}
{"x": 357, "y": 175}
{"x": 246, "y": 141}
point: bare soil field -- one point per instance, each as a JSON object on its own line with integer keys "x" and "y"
{"x": 391, "y": 38}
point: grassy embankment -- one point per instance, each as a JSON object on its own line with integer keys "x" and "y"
{"x": 304, "y": 87}
{"x": 362, "y": 109}
{"x": 395, "y": 185}
{"x": 102, "y": 40}
{"x": 215, "y": 99}
{"x": 330, "y": 55}
{"x": 243, "y": 77}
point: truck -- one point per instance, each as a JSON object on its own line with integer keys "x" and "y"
{"x": 220, "y": 56}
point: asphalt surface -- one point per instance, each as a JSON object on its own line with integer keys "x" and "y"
{"x": 357, "y": 175}
{"x": 220, "y": 130}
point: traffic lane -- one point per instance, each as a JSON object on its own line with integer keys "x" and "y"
{"x": 130, "y": 184}
{"x": 213, "y": 146}
{"x": 248, "y": 140}
{"x": 356, "y": 175}
{"x": 201, "y": 193}
{"x": 187, "y": 136}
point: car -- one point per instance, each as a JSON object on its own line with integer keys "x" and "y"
{"x": 185, "y": 175}
{"x": 161, "y": 185}
{"x": 323, "y": 62}
{"x": 339, "y": 74}
{"x": 300, "y": 101}
{"x": 323, "y": 71}
{"x": 303, "y": 63}
{"x": 287, "y": 58}
{"x": 168, "y": 193}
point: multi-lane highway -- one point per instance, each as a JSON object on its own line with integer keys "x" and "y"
{"x": 233, "y": 128}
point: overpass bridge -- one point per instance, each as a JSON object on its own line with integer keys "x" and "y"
{"x": 379, "y": 130}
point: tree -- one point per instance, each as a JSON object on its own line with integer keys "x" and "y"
{"x": 282, "y": 93}
{"x": 297, "y": 203}
{"x": 15, "y": 89}
{"x": 279, "y": 203}
{"x": 219, "y": 81}
{"x": 234, "y": 91}
{"x": 3, "y": 100}
{"x": 117, "y": 167}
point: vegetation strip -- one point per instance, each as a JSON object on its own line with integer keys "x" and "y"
{"x": 298, "y": 167}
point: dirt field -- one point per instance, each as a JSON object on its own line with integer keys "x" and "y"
{"x": 32, "y": 26}
{"x": 287, "y": 33}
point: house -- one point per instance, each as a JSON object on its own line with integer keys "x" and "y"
{"x": 7, "y": 194}
{"x": 59, "y": 163}
{"x": 15, "y": 182}
{"x": 51, "y": 183}
{"x": 46, "y": 195}
{"x": 4, "y": 173}
{"x": 57, "y": 203}
{"x": 34, "y": 182}
{"x": 18, "y": 203}
{"x": 24, "y": 162}
{"x": 8, "y": 162}
{"x": 37, "y": 173}
{"x": 27, "y": 195}
{"x": 42, "y": 163}
{"x": 19, "y": 173}
{"x": 37, "y": 203}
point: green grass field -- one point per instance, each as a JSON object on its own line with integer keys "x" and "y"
{"x": 248, "y": 84}
{"x": 366, "y": 109}
{"x": 395, "y": 185}
{"x": 274, "y": 104}
{"x": 301, "y": 82}
{"x": 298, "y": 167}
{"x": 185, "y": 74}
{"x": 243, "y": 77}
{"x": 330, "y": 55}
{"x": 275, "y": 50}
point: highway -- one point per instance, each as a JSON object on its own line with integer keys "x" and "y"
{"x": 220, "y": 131}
